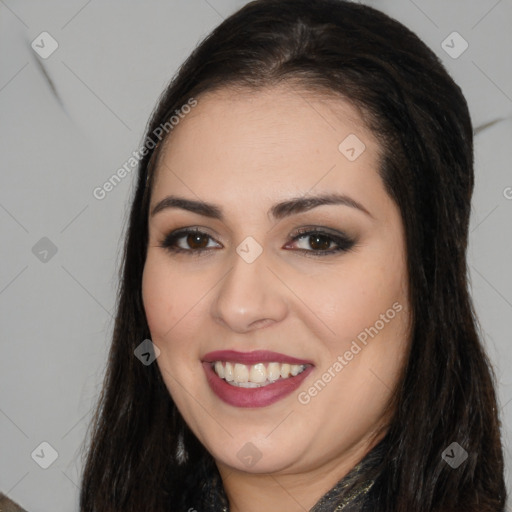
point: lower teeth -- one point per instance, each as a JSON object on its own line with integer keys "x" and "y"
{"x": 248, "y": 384}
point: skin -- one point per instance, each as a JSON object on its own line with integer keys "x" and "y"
{"x": 244, "y": 153}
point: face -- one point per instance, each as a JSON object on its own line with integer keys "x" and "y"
{"x": 281, "y": 317}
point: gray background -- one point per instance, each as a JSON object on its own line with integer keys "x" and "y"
{"x": 68, "y": 122}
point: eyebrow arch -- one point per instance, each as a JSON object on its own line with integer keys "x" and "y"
{"x": 278, "y": 211}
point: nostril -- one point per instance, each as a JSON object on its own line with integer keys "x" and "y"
{"x": 262, "y": 323}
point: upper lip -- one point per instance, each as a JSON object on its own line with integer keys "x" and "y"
{"x": 250, "y": 358}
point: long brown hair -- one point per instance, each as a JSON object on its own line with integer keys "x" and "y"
{"x": 446, "y": 393}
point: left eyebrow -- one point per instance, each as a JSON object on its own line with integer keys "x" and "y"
{"x": 303, "y": 204}
{"x": 278, "y": 211}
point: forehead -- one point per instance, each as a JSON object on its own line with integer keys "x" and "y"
{"x": 243, "y": 141}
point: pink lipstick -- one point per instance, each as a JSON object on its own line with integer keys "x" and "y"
{"x": 240, "y": 392}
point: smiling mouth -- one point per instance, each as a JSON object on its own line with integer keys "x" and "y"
{"x": 254, "y": 379}
{"x": 255, "y": 375}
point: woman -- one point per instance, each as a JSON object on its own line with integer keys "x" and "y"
{"x": 294, "y": 329}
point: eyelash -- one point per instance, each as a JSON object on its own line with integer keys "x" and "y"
{"x": 343, "y": 242}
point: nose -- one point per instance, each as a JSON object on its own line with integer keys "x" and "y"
{"x": 249, "y": 296}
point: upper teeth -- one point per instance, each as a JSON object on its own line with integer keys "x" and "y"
{"x": 256, "y": 375}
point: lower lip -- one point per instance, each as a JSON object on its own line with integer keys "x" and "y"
{"x": 253, "y": 397}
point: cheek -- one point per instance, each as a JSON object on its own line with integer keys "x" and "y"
{"x": 355, "y": 298}
{"x": 170, "y": 299}
{"x": 175, "y": 314}
{"x": 366, "y": 305}
{"x": 168, "y": 302}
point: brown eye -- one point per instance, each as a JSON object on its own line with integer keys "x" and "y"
{"x": 191, "y": 241}
{"x": 197, "y": 240}
{"x": 320, "y": 242}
